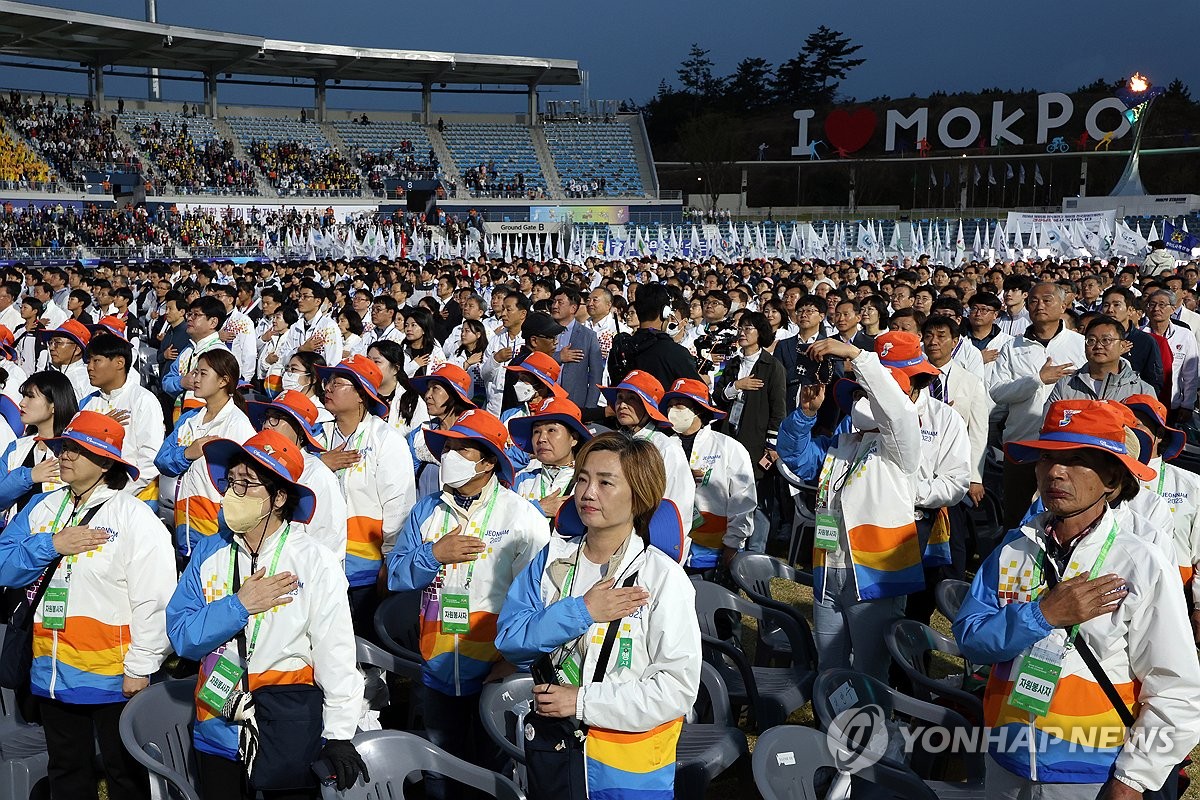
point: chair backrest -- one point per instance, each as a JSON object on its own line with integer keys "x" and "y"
{"x": 371, "y": 655}
{"x": 502, "y": 709}
{"x": 949, "y": 596}
{"x": 712, "y": 701}
{"x": 398, "y": 625}
{"x": 393, "y": 756}
{"x": 791, "y": 762}
{"x": 155, "y": 729}
{"x": 711, "y": 598}
{"x": 909, "y": 641}
{"x": 752, "y": 572}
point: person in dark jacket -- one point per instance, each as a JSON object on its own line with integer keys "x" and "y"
{"x": 649, "y": 349}
{"x": 1143, "y": 355}
{"x": 751, "y": 389}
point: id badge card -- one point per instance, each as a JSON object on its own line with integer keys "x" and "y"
{"x": 456, "y": 613}
{"x": 54, "y": 607}
{"x": 569, "y": 671}
{"x": 1038, "y": 675}
{"x": 826, "y": 535}
{"x": 625, "y": 653}
{"x": 223, "y": 681}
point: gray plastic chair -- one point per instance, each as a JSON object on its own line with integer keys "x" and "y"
{"x": 949, "y": 595}
{"x": 398, "y": 626}
{"x": 502, "y": 710}
{"x": 23, "y": 757}
{"x": 771, "y": 693}
{"x": 793, "y": 762}
{"x": 911, "y": 644}
{"x": 392, "y": 757}
{"x": 837, "y": 690}
{"x": 155, "y": 729}
{"x": 752, "y": 573}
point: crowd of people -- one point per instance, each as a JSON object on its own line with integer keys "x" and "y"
{"x": 64, "y": 228}
{"x": 184, "y": 167}
{"x": 70, "y": 138}
{"x": 231, "y": 467}
{"x": 482, "y": 180}
{"x": 19, "y": 165}
{"x": 400, "y": 162}
{"x": 296, "y": 169}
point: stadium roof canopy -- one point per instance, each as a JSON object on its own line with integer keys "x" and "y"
{"x": 57, "y": 34}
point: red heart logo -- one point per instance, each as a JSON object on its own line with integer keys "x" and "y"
{"x": 850, "y": 131}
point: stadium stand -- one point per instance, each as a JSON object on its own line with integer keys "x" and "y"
{"x": 495, "y": 160}
{"x": 19, "y": 165}
{"x": 389, "y": 149}
{"x": 295, "y": 157}
{"x": 189, "y": 155}
{"x": 69, "y": 137}
{"x": 64, "y": 227}
{"x": 595, "y": 159}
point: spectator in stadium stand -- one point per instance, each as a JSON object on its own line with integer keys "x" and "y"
{"x": 104, "y": 643}
{"x": 305, "y": 643}
{"x": 1143, "y": 354}
{"x": 1016, "y": 317}
{"x": 578, "y": 349}
{"x": 864, "y": 504}
{"x": 1022, "y": 378}
{"x": 438, "y": 552}
{"x": 631, "y": 707}
{"x": 1084, "y": 609}
{"x": 1106, "y": 375}
{"x": 649, "y": 349}
{"x": 1185, "y": 355}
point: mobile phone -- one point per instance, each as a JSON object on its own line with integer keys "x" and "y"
{"x": 543, "y": 671}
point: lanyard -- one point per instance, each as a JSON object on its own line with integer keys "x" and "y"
{"x": 258, "y": 618}
{"x": 487, "y": 515}
{"x": 72, "y": 518}
{"x": 827, "y": 476}
{"x": 1036, "y": 577}
{"x": 1162, "y": 476}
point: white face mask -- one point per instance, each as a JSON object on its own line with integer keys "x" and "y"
{"x": 291, "y": 381}
{"x": 861, "y": 415}
{"x": 681, "y": 418}
{"x": 734, "y": 306}
{"x": 457, "y": 470}
{"x": 524, "y": 392}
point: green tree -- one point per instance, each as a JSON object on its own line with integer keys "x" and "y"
{"x": 1178, "y": 88}
{"x": 828, "y": 57}
{"x": 794, "y": 82}
{"x": 749, "y": 88}
{"x": 696, "y": 75}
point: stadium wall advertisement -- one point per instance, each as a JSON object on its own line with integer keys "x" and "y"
{"x": 341, "y": 213}
{"x": 612, "y": 215}
{"x": 1092, "y": 220}
{"x": 523, "y": 227}
{"x": 850, "y": 130}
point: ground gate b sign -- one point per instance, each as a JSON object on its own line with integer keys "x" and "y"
{"x": 1051, "y": 114}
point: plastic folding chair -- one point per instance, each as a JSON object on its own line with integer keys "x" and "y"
{"x": 912, "y": 645}
{"x": 949, "y": 595}
{"x": 398, "y": 625}
{"x": 23, "y": 758}
{"x": 839, "y": 690}
{"x": 393, "y": 757}
{"x": 794, "y": 761}
{"x": 752, "y": 572}
{"x": 771, "y": 693}
{"x": 155, "y": 728}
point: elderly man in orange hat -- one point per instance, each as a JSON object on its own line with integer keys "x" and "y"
{"x": 1083, "y": 624}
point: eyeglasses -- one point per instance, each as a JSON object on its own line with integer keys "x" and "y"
{"x": 982, "y": 310}
{"x": 305, "y": 296}
{"x": 240, "y": 486}
{"x": 337, "y": 384}
{"x": 70, "y": 452}
{"x": 1152, "y": 306}
{"x": 291, "y": 371}
{"x": 195, "y": 314}
{"x": 1103, "y": 341}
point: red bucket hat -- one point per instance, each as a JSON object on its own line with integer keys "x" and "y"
{"x": 481, "y": 427}
{"x": 556, "y": 409}
{"x": 451, "y": 376}
{"x": 541, "y": 366}
{"x": 270, "y": 450}
{"x": 363, "y": 373}
{"x": 1093, "y": 424}
{"x": 295, "y": 405}
{"x": 694, "y": 390}
{"x": 72, "y": 329}
{"x": 97, "y": 433}
{"x": 645, "y": 386}
{"x": 110, "y": 324}
{"x": 902, "y": 350}
{"x": 1173, "y": 438}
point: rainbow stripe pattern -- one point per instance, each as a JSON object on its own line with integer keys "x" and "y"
{"x": 632, "y": 766}
{"x": 937, "y": 549}
{"x": 476, "y": 649}
{"x": 91, "y": 661}
{"x": 887, "y": 561}
{"x": 195, "y": 516}
{"x": 364, "y": 550}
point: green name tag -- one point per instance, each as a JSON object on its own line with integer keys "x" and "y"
{"x": 1034, "y": 686}
{"x": 570, "y": 671}
{"x": 456, "y": 613}
{"x": 826, "y": 536}
{"x": 625, "y": 653}
{"x": 221, "y": 683}
{"x": 54, "y": 608}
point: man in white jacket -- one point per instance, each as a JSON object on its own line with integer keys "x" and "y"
{"x": 1024, "y": 375}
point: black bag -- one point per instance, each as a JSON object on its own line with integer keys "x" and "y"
{"x": 288, "y": 721}
{"x": 556, "y": 769}
{"x": 16, "y": 659}
{"x": 1170, "y": 790}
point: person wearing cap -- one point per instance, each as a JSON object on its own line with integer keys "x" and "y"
{"x": 1075, "y": 578}
{"x": 724, "y": 474}
{"x": 99, "y": 631}
{"x": 264, "y": 605}
{"x": 1178, "y": 488}
{"x": 540, "y": 335}
{"x": 47, "y": 406}
{"x": 65, "y": 348}
{"x": 503, "y": 347}
{"x": 13, "y": 375}
{"x": 1023, "y": 376}
{"x": 205, "y": 316}
{"x": 627, "y": 712}
{"x": 186, "y": 495}
{"x": 867, "y": 553}
{"x": 446, "y": 393}
{"x": 109, "y": 359}
{"x": 294, "y": 417}
{"x": 552, "y": 435}
{"x": 635, "y": 405}
{"x": 374, "y": 467}
{"x": 463, "y": 547}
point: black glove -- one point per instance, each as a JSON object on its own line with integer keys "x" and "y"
{"x": 345, "y": 762}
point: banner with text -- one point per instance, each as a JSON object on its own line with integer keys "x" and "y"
{"x": 523, "y": 227}
{"x": 612, "y": 215}
{"x": 1090, "y": 220}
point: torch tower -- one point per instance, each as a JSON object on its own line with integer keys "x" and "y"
{"x": 1137, "y": 95}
